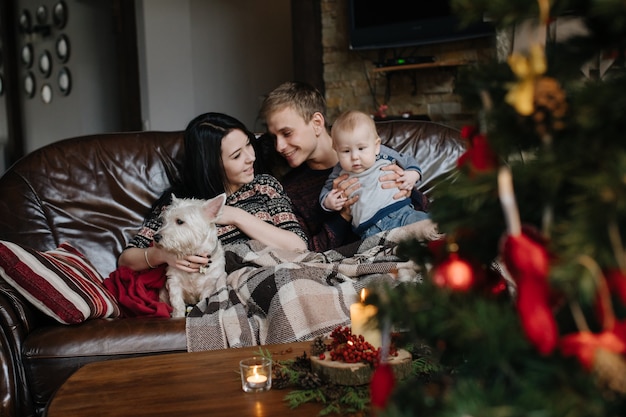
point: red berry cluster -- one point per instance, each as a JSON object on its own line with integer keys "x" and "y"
{"x": 351, "y": 348}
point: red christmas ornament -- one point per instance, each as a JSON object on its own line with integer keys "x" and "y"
{"x": 454, "y": 273}
{"x": 479, "y": 156}
{"x": 382, "y": 385}
{"x": 527, "y": 261}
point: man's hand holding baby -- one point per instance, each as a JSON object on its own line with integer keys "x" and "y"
{"x": 399, "y": 178}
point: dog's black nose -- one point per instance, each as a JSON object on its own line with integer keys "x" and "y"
{"x": 156, "y": 237}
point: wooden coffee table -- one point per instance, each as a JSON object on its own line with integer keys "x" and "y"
{"x": 180, "y": 384}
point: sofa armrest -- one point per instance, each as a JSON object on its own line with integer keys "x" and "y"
{"x": 17, "y": 319}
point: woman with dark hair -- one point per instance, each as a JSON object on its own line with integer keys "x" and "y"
{"x": 219, "y": 158}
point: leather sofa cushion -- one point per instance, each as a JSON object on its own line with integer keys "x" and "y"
{"x": 52, "y": 353}
{"x": 435, "y": 146}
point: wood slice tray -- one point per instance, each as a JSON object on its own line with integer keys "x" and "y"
{"x": 342, "y": 373}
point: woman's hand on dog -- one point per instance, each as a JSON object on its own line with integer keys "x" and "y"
{"x": 137, "y": 259}
{"x": 192, "y": 263}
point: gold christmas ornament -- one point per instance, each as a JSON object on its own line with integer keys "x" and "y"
{"x": 527, "y": 69}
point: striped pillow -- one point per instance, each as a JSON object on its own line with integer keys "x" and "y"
{"x": 62, "y": 283}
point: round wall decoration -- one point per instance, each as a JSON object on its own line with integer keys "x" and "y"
{"x": 29, "y": 85}
{"x": 59, "y": 14}
{"x": 42, "y": 14}
{"x": 25, "y": 21}
{"x": 65, "y": 81}
{"x": 46, "y": 93}
{"x": 45, "y": 64}
{"x": 27, "y": 55}
{"x": 63, "y": 48}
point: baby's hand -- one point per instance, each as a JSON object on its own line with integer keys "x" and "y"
{"x": 335, "y": 200}
{"x": 408, "y": 179}
{"x": 396, "y": 177}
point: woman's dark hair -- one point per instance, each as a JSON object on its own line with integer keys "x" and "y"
{"x": 202, "y": 173}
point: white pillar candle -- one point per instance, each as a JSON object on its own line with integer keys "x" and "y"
{"x": 363, "y": 322}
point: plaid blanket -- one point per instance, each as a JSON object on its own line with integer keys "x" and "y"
{"x": 276, "y": 296}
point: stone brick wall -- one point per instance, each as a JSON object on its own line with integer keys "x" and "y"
{"x": 351, "y": 84}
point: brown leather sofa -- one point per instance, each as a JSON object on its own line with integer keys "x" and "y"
{"x": 93, "y": 192}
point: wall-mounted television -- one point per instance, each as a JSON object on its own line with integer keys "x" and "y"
{"x": 401, "y": 23}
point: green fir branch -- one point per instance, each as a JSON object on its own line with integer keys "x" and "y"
{"x": 298, "y": 397}
{"x": 264, "y": 353}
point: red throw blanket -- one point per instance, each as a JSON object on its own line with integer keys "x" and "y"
{"x": 137, "y": 292}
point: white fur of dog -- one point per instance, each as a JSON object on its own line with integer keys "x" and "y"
{"x": 189, "y": 229}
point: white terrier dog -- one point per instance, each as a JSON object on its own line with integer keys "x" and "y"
{"x": 189, "y": 229}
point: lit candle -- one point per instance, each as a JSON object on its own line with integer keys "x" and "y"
{"x": 363, "y": 321}
{"x": 256, "y": 380}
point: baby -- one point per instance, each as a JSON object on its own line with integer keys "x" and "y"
{"x": 361, "y": 155}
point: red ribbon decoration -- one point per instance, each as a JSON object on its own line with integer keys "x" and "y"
{"x": 479, "y": 155}
{"x": 584, "y": 345}
{"x": 527, "y": 262}
{"x": 381, "y": 386}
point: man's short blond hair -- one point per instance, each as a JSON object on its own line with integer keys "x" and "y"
{"x": 305, "y": 99}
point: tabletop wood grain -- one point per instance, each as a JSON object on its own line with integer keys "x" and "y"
{"x": 182, "y": 384}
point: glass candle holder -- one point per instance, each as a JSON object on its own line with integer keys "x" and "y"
{"x": 256, "y": 374}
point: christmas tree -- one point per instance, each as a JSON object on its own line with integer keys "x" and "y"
{"x": 523, "y": 303}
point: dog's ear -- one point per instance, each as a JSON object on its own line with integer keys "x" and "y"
{"x": 213, "y": 207}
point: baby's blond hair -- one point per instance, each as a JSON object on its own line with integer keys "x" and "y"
{"x": 347, "y": 121}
